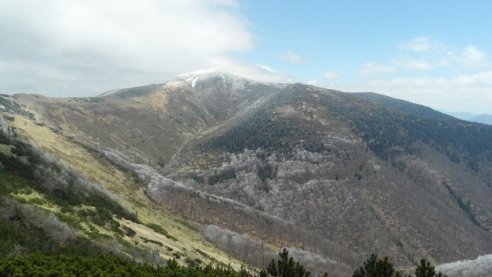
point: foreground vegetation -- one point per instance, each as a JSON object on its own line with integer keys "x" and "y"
{"x": 111, "y": 265}
{"x": 376, "y": 267}
{"x": 104, "y": 265}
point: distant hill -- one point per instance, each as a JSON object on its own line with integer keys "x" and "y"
{"x": 483, "y": 118}
{"x": 479, "y": 118}
{"x": 461, "y": 115}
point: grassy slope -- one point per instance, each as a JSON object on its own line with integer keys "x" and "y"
{"x": 131, "y": 195}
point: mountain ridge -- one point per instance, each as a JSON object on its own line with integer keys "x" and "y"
{"x": 335, "y": 165}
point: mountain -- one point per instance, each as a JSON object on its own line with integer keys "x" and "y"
{"x": 479, "y": 118}
{"x": 461, "y": 115}
{"x": 483, "y": 118}
{"x": 334, "y": 176}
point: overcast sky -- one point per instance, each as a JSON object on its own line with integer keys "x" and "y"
{"x": 435, "y": 53}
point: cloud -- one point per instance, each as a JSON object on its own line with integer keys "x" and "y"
{"x": 312, "y": 82}
{"x": 473, "y": 57}
{"x": 78, "y": 47}
{"x": 371, "y": 69}
{"x": 330, "y": 75}
{"x": 415, "y": 64}
{"x": 257, "y": 72}
{"x": 462, "y": 84}
{"x": 466, "y": 92}
{"x": 290, "y": 57}
{"x": 421, "y": 44}
{"x": 425, "y": 54}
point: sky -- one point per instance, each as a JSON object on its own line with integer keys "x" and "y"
{"x": 435, "y": 53}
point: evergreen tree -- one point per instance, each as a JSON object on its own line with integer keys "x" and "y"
{"x": 285, "y": 266}
{"x": 426, "y": 269}
{"x": 374, "y": 267}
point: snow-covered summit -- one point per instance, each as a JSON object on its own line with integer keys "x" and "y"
{"x": 229, "y": 80}
{"x": 193, "y": 77}
{"x": 209, "y": 71}
{"x": 109, "y": 92}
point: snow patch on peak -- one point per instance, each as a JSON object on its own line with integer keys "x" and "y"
{"x": 108, "y": 92}
{"x": 200, "y": 72}
{"x": 193, "y": 77}
{"x": 229, "y": 80}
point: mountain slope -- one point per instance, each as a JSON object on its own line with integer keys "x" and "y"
{"x": 403, "y": 106}
{"x": 324, "y": 171}
{"x": 126, "y": 183}
{"x": 289, "y": 176}
{"x": 102, "y": 204}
